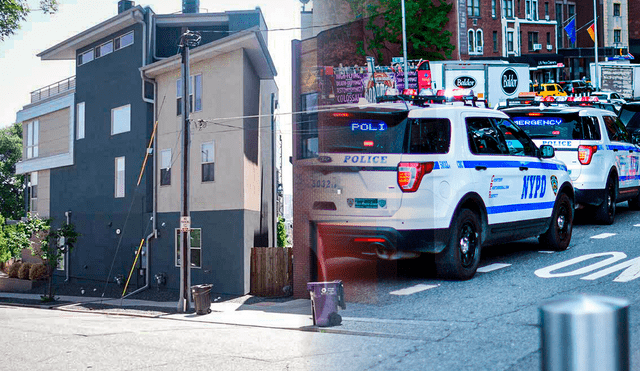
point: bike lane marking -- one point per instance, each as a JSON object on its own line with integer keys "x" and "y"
{"x": 603, "y": 235}
{"x": 413, "y": 289}
{"x": 492, "y": 267}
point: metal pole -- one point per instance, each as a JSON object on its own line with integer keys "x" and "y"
{"x": 584, "y": 333}
{"x": 404, "y": 46}
{"x": 595, "y": 34}
{"x": 184, "y": 304}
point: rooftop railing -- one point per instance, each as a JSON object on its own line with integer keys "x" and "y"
{"x": 53, "y": 89}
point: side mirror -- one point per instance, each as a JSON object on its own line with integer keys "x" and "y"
{"x": 547, "y": 151}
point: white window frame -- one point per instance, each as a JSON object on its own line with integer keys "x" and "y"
{"x": 494, "y": 10}
{"x": 471, "y": 35}
{"x": 122, "y": 112}
{"x": 100, "y": 52}
{"x": 207, "y": 158}
{"x": 531, "y": 10}
{"x": 119, "y": 191}
{"x": 195, "y": 94}
{"x": 617, "y": 36}
{"x": 507, "y": 9}
{"x": 120, "y": 46}
{"x": 510, "y": 43}
{"x": 80, "y": 115}
{"x": 479, "y": 41}
{"x": 619, "y": 10}
{"x": 82, "y": 60}
{"x": 33, "y": 129}
{"x": 33, "y": 189}
{"x": 165, "y": 164}
{"x": 178, "y": 247}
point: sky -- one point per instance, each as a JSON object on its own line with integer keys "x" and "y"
{"x": 21, "y": 72}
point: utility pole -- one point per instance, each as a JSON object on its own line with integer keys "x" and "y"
{"x": 188, "y": 39}
{"x": 404, "y": 46}
{"x": 595, "y": 34}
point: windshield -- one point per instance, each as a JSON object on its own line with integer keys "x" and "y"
{"x": 630, "y": 118}
{"x": 554, "y": 125}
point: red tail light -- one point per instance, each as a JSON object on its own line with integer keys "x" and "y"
{"x": 369, "y": 239}
{"x": 410, "y": 174}
{"x": 585, "y": 153}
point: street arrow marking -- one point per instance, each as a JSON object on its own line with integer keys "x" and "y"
{"x": 603, "y": 235}
{"x": 413, "y": 289}
{"x": 492, "y": 267}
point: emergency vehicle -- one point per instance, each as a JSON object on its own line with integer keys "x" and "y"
{"x": 394, "y": 180}
{"x": 594, "y": 144}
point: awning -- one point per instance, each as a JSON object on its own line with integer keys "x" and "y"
{"x": 539, "y": 61}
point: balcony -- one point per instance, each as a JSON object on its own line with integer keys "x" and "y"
{"x": 53, "y": 89}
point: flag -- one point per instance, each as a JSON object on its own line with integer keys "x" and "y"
{"x": 592, "y": 31}
{"x": 571, "y": 30}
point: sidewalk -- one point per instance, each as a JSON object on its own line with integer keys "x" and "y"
{"x": 292, "y": 314}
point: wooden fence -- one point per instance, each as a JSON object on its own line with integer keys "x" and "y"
{"x": 271, "y": 271}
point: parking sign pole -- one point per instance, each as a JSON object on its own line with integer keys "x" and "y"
{"x": 404, "y": 46}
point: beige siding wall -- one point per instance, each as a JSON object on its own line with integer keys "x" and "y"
{"x": 53, "y": 135}
{"x": 44, "y": 194}
{"x": 222, "y": 100}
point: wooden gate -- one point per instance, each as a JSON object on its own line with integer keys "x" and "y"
{"x": 271, "y": 271}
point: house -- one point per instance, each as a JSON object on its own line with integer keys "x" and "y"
{"x": 86, "y": 140}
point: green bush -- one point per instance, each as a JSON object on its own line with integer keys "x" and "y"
{"x": 23, "y": 272}
{"x": 37, "y": 272}
{"x": 13, "y": 269}
{"x": 13, "y": 238}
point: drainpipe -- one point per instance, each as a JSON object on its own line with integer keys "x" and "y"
{"x": 154, "y": 215}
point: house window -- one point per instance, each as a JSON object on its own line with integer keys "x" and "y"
{"x": 195, "y": 248}
{"x": 473, "y": 8}
{"x": 194, "y": 84}
{"x": 533, "y": 40}
{"x": 123, "y": 41}
{"x": 208, "y": 161}
{"x": 165, "y": 169}
{"x": 548, "y": 38}
{"x": 508, "y": 8}
{"x": 493, "y": 8}
{"x": 33, "y": 192}
{"x": 616, "y": 10}
{"x": 32, "y": 139}
{"x": 495, "y": 41}
{"x": 85, "y": 57}
{"x": 471, "y": 42}
{"x": 616, "y": 36}
{"x": 510, "y": 41}
{"x": 104, "y": 49}
{"x": 479, "y": 41}
{"x": 531, "y": 9}
{"x": 80, "y": 120}
{"x": 121, "y": 119}
{"x": 119, "y": 184}
{"x": 546, "y": 10}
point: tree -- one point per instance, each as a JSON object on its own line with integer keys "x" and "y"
{"x": 11, "y": 185}
{"x": 425, "y": 21}
{"x": 282, "y": 233}
{"x": 13, "y": 239}
{"x": 12, "y": 12}
{"x": 50, "y": 245}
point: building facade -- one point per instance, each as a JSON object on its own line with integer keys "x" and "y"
{"x": 87, "y": 138}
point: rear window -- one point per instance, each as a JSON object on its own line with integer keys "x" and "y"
{"x": 429, "y": 136}
{"x": 557, "y": 125}
{"x": 630, "y": 116}
{"x": 362, "y": 132}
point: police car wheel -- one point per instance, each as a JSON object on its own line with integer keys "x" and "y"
{"x": 461, "y": 257}
{"x": 606, "y": 212}
{"x": 558, "y": 236}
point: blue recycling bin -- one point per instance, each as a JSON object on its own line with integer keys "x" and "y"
{"x": 326, "y": 297}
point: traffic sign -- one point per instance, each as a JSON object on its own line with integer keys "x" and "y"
{"x": 185, "y": 223}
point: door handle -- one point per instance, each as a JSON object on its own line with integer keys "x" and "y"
{"x": 615, "y": 150}
{"x": 630, "y": 151}
{"x": 523, "y": 168}
{"x": 480, "y": 167}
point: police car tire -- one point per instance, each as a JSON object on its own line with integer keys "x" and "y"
{"x": 452, "y": 262}
{"x": 558, "y": 236}
{"x": 606, "y": 211}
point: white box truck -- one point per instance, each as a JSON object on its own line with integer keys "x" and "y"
{"x": 621, "y": 77}
{"x": 494, "y": 81}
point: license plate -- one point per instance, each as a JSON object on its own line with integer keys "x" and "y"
{"x": 370, "y": 203}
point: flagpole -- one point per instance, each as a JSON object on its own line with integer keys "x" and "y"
{"x": 595, "y": 32}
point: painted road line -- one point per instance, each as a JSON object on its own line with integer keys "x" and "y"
{"x": 603, "y": 235}
{"x": 546, "y": 252}
{"x": 492, "y": 267}
{"x": 413, "y": 289}
{"x": 636, "y": 225}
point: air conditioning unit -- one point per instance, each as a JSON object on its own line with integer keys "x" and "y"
{"x": 479, "y": 49}
{"x": 546, "y": 17}
{"x": 537, "y": 47}
{"x": 549, "y": 47}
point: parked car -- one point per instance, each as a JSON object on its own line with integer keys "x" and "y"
{"x": 575, "y": 87}
{"x": 609, "y": 96}
{"x": 600, "y": 154}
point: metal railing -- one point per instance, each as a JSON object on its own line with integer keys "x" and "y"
{"x": 53, "y": 89}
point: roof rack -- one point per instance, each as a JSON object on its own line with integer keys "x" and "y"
{"x": 442, "y": 97}
{"x": 551, "y": 101}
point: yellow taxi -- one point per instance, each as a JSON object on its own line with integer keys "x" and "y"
{"x": 545, "y": 90}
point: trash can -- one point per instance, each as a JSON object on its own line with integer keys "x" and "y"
{"x": 202, "y": 298}
{"x": 325, "y": 299}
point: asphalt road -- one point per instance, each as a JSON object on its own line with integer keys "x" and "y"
{"x": 398, "y": 317}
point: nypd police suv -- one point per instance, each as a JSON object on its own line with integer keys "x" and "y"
{"x": 597, "y": 149}
{"x": 395, "y": 180}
